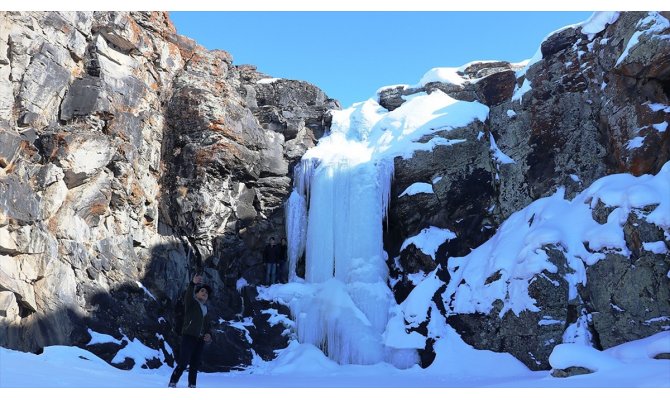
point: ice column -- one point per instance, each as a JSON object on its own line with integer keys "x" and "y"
{"x": 344, "y": 205}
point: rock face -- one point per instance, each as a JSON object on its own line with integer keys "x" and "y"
{"x": 130, "y": 157}
{"x": 590, "y": 111}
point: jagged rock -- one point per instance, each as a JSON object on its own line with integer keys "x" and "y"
{"x": 558, "y": 42}
{"x": 229, "y": 351}
{"x": 19, "y": 201}
{"x": 121, "y": 30}
{"x": 496, "y": 88}
{"x": 570, "y": 371}
{"x": 627, "y": 298}
{"x": 529, "y": 336}
{"x": 391, "y": 98}
{"x": 413, "y": 260}
{"x": 10, "y": 145}
{"x": 464, "y": 192}
{"x": 638, "y": 231}
{"x": 42, "y": 85}
{"x": 494, "y": 84}
{"x": 9, "y": 309}
{"x": 83, "y": 98}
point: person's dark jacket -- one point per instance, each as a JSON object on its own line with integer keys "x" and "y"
{"x": 272, "y": 254}
{"x": 195, "y": 324}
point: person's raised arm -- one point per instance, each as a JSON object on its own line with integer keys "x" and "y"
{"x": 188, "y": 296}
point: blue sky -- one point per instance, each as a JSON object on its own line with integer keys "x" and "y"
{"x": 350, "y": 55}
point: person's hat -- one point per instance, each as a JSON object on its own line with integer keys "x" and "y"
{"x": 205, "y": 286}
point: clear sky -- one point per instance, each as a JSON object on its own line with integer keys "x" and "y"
{"x": 350, "y": 55}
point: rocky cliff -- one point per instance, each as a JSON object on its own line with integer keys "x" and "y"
{"x": 593, "y": 104}
{"x": 131, "y": 157}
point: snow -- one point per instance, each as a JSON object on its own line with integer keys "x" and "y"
{"x": 635, "y": 143}
{"x": 450, "y": 347}
{"x": 138, "y": 352}
{"x": 511, "y": 113}
{"x": 419, "y": 300}
{"x": 637, "y": 355}
{"x": 304, "y": 366}
{"x": 240, "y": 284}
{"x": 575, "y": 178}
{"x": 578, "y": 332}
{"x": 445, "y": 75}
{"x": 662, "y": 127}
{"x": 498, "y": 155}
{"x": 598, "y": 22}
{"x": 399, "y": 87}
{"x": 242, "y": 326}
{"x": 266, "y": 81}
{"x": 653, "y": 24}
{"x": 655, "y": 247}
{"x": 520, "y": 91}
{"x": 416, "y": 188}
{"x": 133, "y": 349}
{"x": 549, "y": 321}
{"x": 97, "y": 338}
{"x": 276, "y": 318}
{"x": 657, "y": 319}
{"x": 429, "y": 239}
{"x": 658, "y": 107}
{"x": 516, "y": 251}
{"x": 567, "y": 355}
{"x": 146, "y": 291}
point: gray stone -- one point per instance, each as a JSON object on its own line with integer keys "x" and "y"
{"x": 523, "y": 335}
{"x": 9, "y": 309}
{"x": 627, "y": 299}
{"x": 558, "y": 42}
{"x": 82, "y": 98}
{"x": 17, "y": 200}
{"x": 10, "y": 145}
{"x": 570, "y": 371}
{"x": 42, "y": 86}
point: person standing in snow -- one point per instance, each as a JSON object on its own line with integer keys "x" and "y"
{"x": 271, "y": 256}
{"x": 195, "y": 331}
{"x": 283, "y": 258}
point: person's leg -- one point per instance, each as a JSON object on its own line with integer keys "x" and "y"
{"x": 267, "y": 273}
{"x": 274, "y": 273}
{"x": 194, "y": 363}
{"x": 185, "y": 353}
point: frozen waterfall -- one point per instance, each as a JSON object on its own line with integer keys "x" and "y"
{"x": 335, "y": 217}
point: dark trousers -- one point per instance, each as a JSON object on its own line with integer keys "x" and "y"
{"x": 271, "y": 272}
{"x": 190, "y": 353}
{"x": 283, "y": 272}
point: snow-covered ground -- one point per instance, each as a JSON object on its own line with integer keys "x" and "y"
{"x": 457, "y": 365}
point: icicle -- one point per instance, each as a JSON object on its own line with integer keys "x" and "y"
{"x": 320, "y": 220}
{"x": 296, "y": 230}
